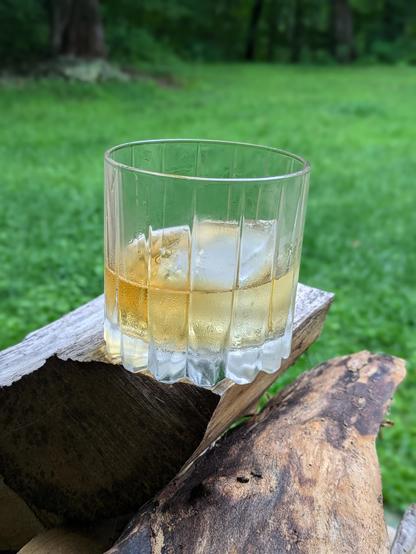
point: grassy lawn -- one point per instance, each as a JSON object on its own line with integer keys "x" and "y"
{"x": 357, "y": 127}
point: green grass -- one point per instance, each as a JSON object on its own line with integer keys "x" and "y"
{"x": 357, "y": 127}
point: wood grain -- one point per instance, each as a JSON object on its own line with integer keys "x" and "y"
{"x": 404, "y": 541}
{"x": 301, "y": 477}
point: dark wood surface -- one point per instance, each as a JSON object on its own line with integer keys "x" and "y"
{"x": 301, "y": 477}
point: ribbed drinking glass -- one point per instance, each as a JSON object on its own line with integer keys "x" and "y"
{"x": 202, "y": 251}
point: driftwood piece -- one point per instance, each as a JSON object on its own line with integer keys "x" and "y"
{"x": 301, "y": 477}
{"x": 404, "y": 541}
{"x": 82, "y": 439}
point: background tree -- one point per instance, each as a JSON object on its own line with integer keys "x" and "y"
{"x": 159, "y": 31}
{"x": 297, "y": 32}
{"x": 256, "y": 12}
{"x": 342, "y": 31}
{"x": 272, "y": 20}
{"x": 76, "y": 28}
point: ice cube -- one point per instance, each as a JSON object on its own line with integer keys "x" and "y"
{"x": 215, "y": 257}
{"x": 257, "y": 252}
{"x": 169, "y": 258}
{"x": 216, "y": 263}
{"x": 170, "y": 249}
{"x": 134, "y": 260}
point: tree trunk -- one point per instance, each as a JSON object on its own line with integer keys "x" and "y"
{"x": 76, "y": 29}
{"x": 252, "y": 30}
{"x": 342, "y": 31}
{"x": 389, "y": 30}
{"x": 297, "y": 32}
{"x": 272, "y": 30}
{"x": 394, "y": 20}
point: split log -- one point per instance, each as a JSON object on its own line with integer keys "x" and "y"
{"x": 301, "y": 477}
{"x": 18, "y": 524}
{"x": 82, "y": 439}
{"x": 404, "y": 541}
{"x": 62, "y": 541}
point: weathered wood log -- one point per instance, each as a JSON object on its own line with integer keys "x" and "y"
{"x": 301, "y": 477}
{"x": 75, "y": 538}
{"x": 82, "y": 439}
{"x": 62, "y": 541}
{"x": 404, "y": 541}
{"x": 18, "y": 524}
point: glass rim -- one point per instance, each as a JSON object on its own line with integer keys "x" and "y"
{"x": 302, "y": 171}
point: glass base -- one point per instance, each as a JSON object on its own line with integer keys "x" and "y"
{"x": 204, "y": 367}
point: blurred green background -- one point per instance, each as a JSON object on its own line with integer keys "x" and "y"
{"x": 333, "y": 81}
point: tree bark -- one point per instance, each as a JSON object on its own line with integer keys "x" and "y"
{"x": 76, "y": 29}
{"x": 394, "y": 22}
{"x": 342, "y": 31}
{"x": 301, "y": 477}
{"x": 297, "y": 32}
{"x": 272, "y": 30}
{"x": 251, "y": 40}
{"x": 404, "y": 541}
{"x": 82, "y": 439}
